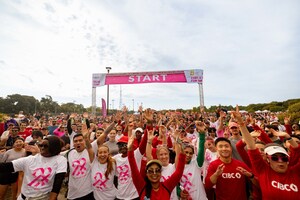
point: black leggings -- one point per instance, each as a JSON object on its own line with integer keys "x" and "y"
{"x": 89, "y": 196}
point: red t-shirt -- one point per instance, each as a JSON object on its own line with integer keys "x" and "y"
{"x": 231, "y": 184}
{"x": 24, "y": 134}
{"x": 163, "y": 191}
{"x": 276, "y": 186}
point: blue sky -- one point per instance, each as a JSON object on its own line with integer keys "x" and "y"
{"x": 249, "y": 50}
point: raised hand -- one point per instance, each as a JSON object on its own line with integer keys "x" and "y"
{"x": 124, "y": 109}
{"x": 118, "y": 116}
{"x": 220, "y": 169}
{"x": 85, "y": 115}
{"x": 237, "y": 115}
{"x": 130, "y": 142}
{"x": 148, "y": 115}
{"x": 140, "y": 109}
{"x": 244, "y": 171}
{"x": 151, "y": 135}
{"x": 200, "y": 127}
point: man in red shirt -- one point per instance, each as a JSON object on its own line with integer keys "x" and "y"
{"x": 229, "y": 175}
{"x": 24, "y": 133}
{"x": 278, "y": 180}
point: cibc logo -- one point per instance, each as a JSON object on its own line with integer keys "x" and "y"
{"x": 231, "y": 175}
{"x": 287, "y": 187}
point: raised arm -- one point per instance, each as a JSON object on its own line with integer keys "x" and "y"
{"x": 86, "y": 136}
{"x": 137, "y": 178}
{"x": 245, "y": 133}
{"x": 201, "y": 129}
{"x": 103, "y": 136}
{"x": 149, "y": 144}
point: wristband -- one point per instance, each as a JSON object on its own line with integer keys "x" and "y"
{"x": 288, "y": 139}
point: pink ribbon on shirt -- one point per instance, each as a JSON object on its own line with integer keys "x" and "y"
{"x": 41, "y": 177}
{"x": 79, "y": 166}
{"x": 99, "y": 182}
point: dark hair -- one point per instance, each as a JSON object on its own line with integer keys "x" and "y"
{"x": 77, "y": 135}
{"x": 148, "y": 186}
{"x": 55, "y": 144}
{"x": 37, "y": 134}
{"x": 273, "y": 127}
{"x": 18, "y": 138}
{"x": 211, "y": 129}
{"x": 260, "y": 142}
{"x": 220, "y": 139}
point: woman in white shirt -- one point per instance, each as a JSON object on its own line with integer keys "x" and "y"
{"x": 43, "y": 173}
{"x": 103, "y": 171}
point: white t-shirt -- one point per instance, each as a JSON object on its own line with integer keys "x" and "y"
{"x": 71, "y": 136}
{"x": 118, "y": 137}
{"x": 191, "y": 181}
{"x": 95, "y": 147}
{"x": 39, "y": 173}
{"x": 126, "y": 189}
{"x": 80, "y": 182}
{"x": 4, "y": 135}
{"x": 103, "y": 188}
{"x": 28, "y": 139}
{"x": 209, "y": 156}
{"x": 166, "y": 172}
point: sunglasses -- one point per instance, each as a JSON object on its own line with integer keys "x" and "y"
{"x": 277, "y": 158}
{"x": 43, "y": 145}
{"x": 119, "y": 130}
{"x": 156, "y": 171}
{"x": 15, "y": 130}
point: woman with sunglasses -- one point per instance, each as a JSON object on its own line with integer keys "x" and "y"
{"x": 151, "y": 186}
{"x": 277, "y": 179}
{"x": 163, "y": 155}
{"x": 43, "y": 173}
{"x": 7, "y": 179}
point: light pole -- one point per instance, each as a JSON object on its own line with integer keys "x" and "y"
{"x": 132, "y": 105}
{"x": 107, "y": 99}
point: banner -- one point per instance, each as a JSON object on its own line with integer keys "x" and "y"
{"x": 103, "y": 108}
{"x": 182, "y": 76}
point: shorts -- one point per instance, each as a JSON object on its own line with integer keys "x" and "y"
{"x": 8, "y": 178}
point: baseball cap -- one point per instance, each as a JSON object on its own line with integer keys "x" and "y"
{"x": 153, "y": 162}
{"x": 123, "y": 139}
{"x": 138, "y": 129}
{"x": 270, "y": 150}
{"x": 233, "y": 124}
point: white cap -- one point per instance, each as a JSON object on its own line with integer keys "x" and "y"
{"x": 138, "y": 129}
{"x": 270, "y": 150}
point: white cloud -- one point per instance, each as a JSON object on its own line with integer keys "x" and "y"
{"x": 248, "y": 50}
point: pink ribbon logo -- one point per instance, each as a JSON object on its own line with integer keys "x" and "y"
{"x": 123, "y": 173}
{"x": 79, "y": 167}
{"x": 163, "y": 179}
{"x": 208, "y": 157}
{"x": 185, "y": 181}
{"x": 41, "y": 177}
{"x": 100, "y": 182}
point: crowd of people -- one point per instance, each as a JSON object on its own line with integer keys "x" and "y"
{"x": 150, "y": 155}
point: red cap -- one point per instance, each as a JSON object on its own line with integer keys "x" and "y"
{"x": 123, "y": 139}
